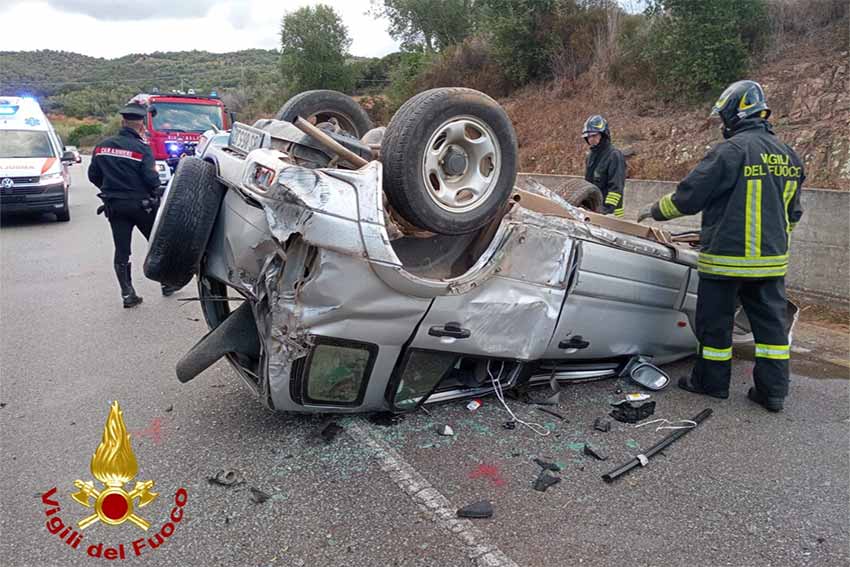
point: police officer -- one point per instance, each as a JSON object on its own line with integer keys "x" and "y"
{"x": 748, "y": 189}
{"x": 605, "y": 166}
{"x": 123, "y": 168}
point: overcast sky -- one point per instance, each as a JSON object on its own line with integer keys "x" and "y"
{"x": 112, "y": 28}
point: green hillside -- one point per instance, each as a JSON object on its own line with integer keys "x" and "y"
{"x": 79, "y": 85}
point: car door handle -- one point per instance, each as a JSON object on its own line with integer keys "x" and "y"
{"x": 452, "y": 329}
{"x": 577, "y": 342}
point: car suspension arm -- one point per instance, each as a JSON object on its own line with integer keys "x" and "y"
{"x": 329, "y": 143}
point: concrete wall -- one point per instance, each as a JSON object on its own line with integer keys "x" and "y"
{"x": 820, "y": 244}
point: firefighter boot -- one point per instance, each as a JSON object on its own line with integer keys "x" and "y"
{"x": 770, "y": 404}
{"x": 128, "y": 294}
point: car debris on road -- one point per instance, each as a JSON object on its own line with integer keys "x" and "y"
{"x": 642, "y": 459}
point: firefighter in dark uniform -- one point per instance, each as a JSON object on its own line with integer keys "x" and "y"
{"x": 605, "y": 166}
{"x": 748, "y": 189}
{"x": 123, "y": 168}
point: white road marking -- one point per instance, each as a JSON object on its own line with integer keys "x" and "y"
{"x": 435, "y": 506}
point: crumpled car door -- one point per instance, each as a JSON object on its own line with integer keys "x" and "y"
{"x": 513, "y": 313}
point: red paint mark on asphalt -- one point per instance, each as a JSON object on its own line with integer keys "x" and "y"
{"x": 490, "y": 472}
{"x": 152, "y": 432}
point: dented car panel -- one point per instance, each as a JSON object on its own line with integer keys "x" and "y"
{"x": 345, "y": 325}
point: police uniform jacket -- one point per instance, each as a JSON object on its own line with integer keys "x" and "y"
{"x": 748, "y": 189}
{"x": 606, "y": 168}
{"x": 123, "y": 167}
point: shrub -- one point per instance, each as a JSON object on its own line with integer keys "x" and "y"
{"x": 404, "y": 76}
{"x": 693, "y": 47}
{"x": 377, "y": 107}
{"x": 85, "y": 134}
{"x": 804, "y": 17}
{"x": 470, "y": 64}
{"x": 582, "y": 35}
{"x": 524, "y": 37}
{"x": 633, "y": 63}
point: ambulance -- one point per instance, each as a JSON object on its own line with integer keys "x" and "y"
{"x": 34, "y": 174}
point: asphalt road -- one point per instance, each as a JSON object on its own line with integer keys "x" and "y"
{"x": 747, "y": 488}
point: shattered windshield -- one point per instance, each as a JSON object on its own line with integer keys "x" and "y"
{"x": 182, "y": 117}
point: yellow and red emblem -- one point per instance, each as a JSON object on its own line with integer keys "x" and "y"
{"x": 114, "y": 464}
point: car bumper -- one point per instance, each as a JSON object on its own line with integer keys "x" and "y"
{"x": 47, "y": 199}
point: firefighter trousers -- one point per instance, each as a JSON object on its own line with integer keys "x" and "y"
{"x": 764, "y": 302}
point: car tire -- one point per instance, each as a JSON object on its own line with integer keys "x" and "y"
{"x": 450, "y": 160}
{"x": 322, "y": 105}
{"x": 182, "y": 230}
{"x": 581, "y": 193}
{"x": 65, "y": 214}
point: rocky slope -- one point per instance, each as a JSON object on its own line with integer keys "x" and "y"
{"x": 806, "y": 85}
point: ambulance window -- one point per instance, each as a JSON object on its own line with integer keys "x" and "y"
{"x": 25, "y": 144}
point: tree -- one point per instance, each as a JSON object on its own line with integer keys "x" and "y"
{"x": 699, "y": 46}
{"x": 314, "y": 43}
{"x": 524, "y": 36}
{"x": 430, "y": 24}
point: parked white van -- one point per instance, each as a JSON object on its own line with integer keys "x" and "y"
{"x": 33, "y": 163}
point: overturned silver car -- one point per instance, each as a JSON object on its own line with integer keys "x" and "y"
{"x": 344, "y": 269}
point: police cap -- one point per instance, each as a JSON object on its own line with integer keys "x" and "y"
{"x": 133, "y": 111}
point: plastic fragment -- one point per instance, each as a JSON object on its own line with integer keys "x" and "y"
{"x": 595, "y": 452}
{"x": 445, "y": 430}
{"x": 330, "y": 431}
{"x": 226, "y": 477}
{"x": 482, "y": 509}
{"x": 258, "y": 496}
{"x": 547, "y": 466}
{"x": 544, "y": 480}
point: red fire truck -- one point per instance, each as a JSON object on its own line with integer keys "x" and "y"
{"x": 174, "y": 123}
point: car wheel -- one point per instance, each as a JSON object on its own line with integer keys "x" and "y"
{"x": 65, "y": 214}
{"x": 450, "y": 158}
{"x": 184, "y": 224}
{"x": 580, "y": 193}
{"x": 323, "y": 105}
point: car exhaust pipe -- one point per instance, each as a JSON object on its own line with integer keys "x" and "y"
{"x": 237, "y": 333}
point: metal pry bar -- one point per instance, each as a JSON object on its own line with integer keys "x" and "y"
{"x": 643, "y": 459}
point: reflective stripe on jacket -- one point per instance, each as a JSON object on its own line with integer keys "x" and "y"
{"x": 748, "y": 189}
{"x": 122, "y": 167}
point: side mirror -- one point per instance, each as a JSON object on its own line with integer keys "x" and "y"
{"x": 232, "y": 116}
{"x": 68, "y": 157}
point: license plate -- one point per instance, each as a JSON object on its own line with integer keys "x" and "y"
{"x": 244, "y": 138}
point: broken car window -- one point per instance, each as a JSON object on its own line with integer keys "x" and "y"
{"x": 336, "y": 373}
{"x": 421, "y": 374}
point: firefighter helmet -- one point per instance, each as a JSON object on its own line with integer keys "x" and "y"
{"x": 596, "y": 124}
{"x": 740, "y": 100}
